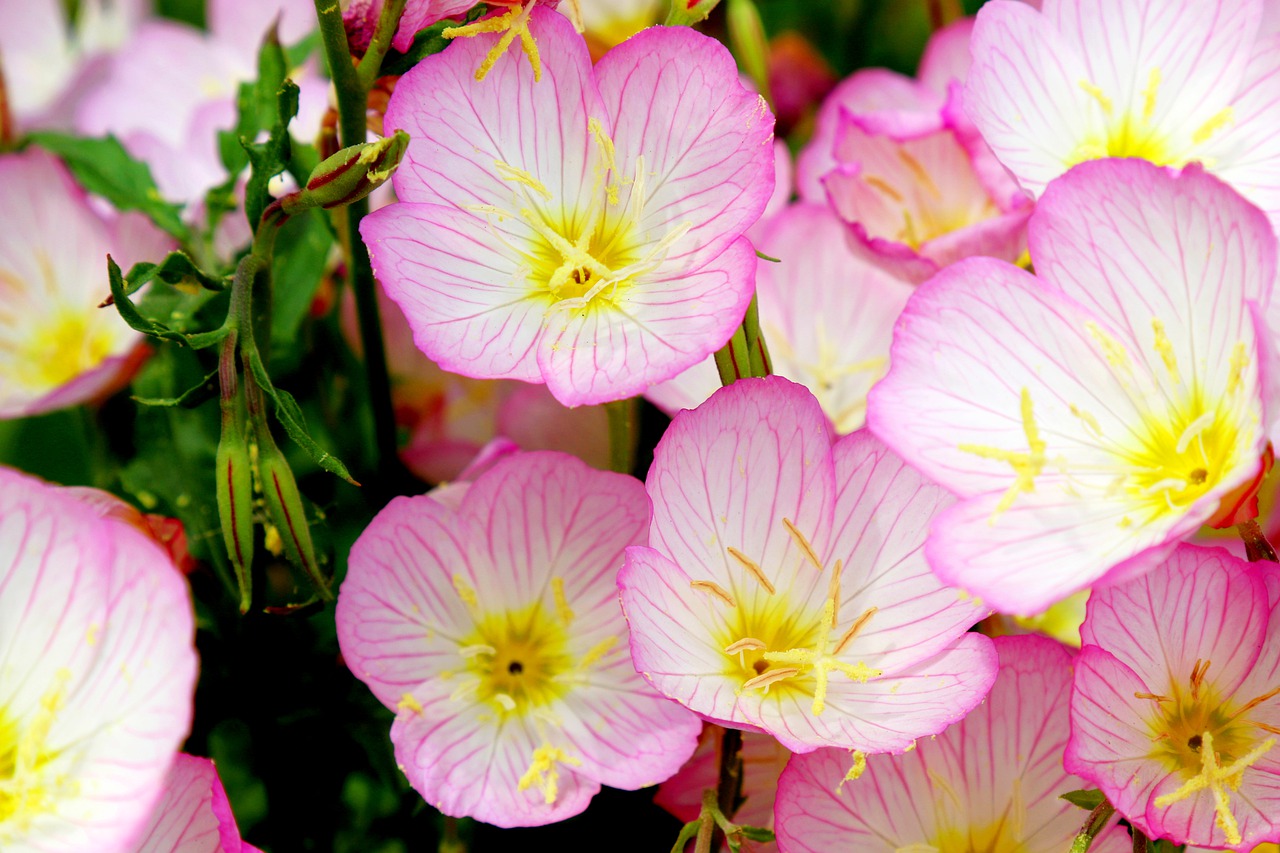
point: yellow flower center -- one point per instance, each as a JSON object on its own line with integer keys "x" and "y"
{"x": 516, "y": 657}
{"x": 772, "y": 644}
{"x": 1208, "y": 741}
{"x": 27, "y": 788}
{"x": 58, "y": 348}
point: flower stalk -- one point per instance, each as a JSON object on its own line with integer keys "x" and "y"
{"x": 1093, "y": 826}
{"x": 622, "y": 435}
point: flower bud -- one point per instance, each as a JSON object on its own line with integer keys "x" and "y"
{"x": 235, "y": 502}
{"x": 285, "y": 509}
{"x": 686, "y": 13}
{"x": 349, "y": 175}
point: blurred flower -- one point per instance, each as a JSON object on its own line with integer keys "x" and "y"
{"x": 57, "y": 347}
{"x": 763, "y": 759}
{"x": 193, "y": 815}
{"x": 493, "y": 631}
{"x": 1095, "y": 414}
{"x": 799, "y": 77}
{"x": 827, "y": 315}
{"x": 47, "y": 60}
{"x": 1174, "y": 711}
{"x": 166, "y": 532}
{"x": 991, "y": 782}
{"x": 97, "y": 669}
{"x": 608, "y": 23}
{"x": 448, "y": 418}
{"x": 785, "y": 589}
{"x": 589, "y": 239}
{"x": 1170, "y": 81}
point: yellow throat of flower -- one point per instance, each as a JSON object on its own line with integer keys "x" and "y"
{"x": 27, "y": 788}
{"x": 57, "y": 348}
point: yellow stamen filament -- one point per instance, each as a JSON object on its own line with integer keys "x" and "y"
{"x": 854, "y": 629}
{"x": 833, "y": 591}
{"x": 597, "y": 652}
{"x": 1239, "y": 361}
{"x": 563, "y": 610}
{"x": 753, "y": 568}
{"x": 1026, "y": 465}
{"x": 1152, "y": 696}
{"x": 802, "y": 543}
{"x": 1216, "y": 122}
{"x": 542, "y": 771}
{"x": 715, "y": 589}
{"x": 1149, "y": 95}
{"x": 408, "y": 703}
{"x": 1266, "y": 728}
{"x": 510, "y": 173}
{"x": 1197, "y": 677}
{"x": 1217, "y": 779}
{"x": 855, "y": 772}
{"x": 1088, "y": 419}
{"x": 465, "y": 591}
{"x": 1097, "y": 94}
{"x": 477, "y": 650}
{"x": 1165, "y": 347}
{"x": 512, "y": 24}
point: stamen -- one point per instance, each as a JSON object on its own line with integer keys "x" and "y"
{"x": 855, "y": 772}
{"x": 598, "y": 651}
{"x": 769, "y": 677}
{"x": 510, "y": 173}
{"x": 1216, "y": 122}
{"x": 1197, "y": 677}
{"x": 802, "y": 543}
{"x": 1153, "y": 696}
{"x": 1253, "y": 703}
{"x": 1217, "y": 779}
{"x": 1096, "y": 93}
{"x": 1112, "y": 350}
{"x": 1165, "y": 347}
{"x": 752, "y": 568}
{"x": 744, "y": 645}
{"x": 919, "y": 172}
{"x": 465, "y": 591}
{"x": 1089, "y": 420}
{"x": 854, "y": 629}
{"x": 562, "y": 601}
{"x": 1193, "y": 430}
{"x": 542, "y": 771}
{"x": 833, "y": 591}
{"x": 1239, "y": 361}
{"x": 512, "y": 24}
{"x": 1266, "y": 728}
{"x": 477, "y": 650}
{"x": 508, "y": 704}
{"x": 1149, "y": 95}
{"x": 715, "y": 589}
{"x": 408, "y": 703}
{"x": 1026, "y": 465}
{"x": 883, "y": 186}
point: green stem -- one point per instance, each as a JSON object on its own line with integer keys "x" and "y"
{"x": 746, "y": 353}
{"x": 388, "y": 23}
{"x": 1093, "y": 826}
{"x": 729, "y": 789}
{"x": 1256, "y": 546}
{"x": 622, "y": 435}
{"x": 353, "y": 99}
{"x": 1140, "y": 842}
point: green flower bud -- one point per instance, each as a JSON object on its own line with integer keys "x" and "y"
{"x": 234, "y": 486}
{"x": 349, "y": 175}
{"x": 285, "y": 509}
{"x": 686, "y": 13}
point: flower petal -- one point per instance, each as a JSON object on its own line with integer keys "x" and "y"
{"x": 194, "y": 815}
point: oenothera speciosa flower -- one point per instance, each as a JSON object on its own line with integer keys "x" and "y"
{"x": 1094, "y": 414}
{"x": 1175, "y": 712}
{"x": 784, "y": 589}
{"x": 1170, "y": 81}
{"x": 193, "y": 815}
{"x": 491, "y": 627}
{"x": 991, "y": 782}
{"x": 827, "y": 314}
{"x": 584, "y": 230}
{"x": 57, "y": 347}
{"x": 96, "y": 672}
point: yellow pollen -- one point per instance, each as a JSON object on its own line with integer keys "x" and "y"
{"x": 1088, "y": 419}
{"x": 597, "y": 652}
{"x": 1149, "y": 95}
{"x": 512, "y": 24}
{"x": 1217, "y": 122}
{"x": 510, "y": 173}
{"x": 753, "y": 568}
{"x": 1239, "y": 361}
{"x": 1097, "y": 94}
{"x": 408, "y": 703}
{"x": 1155, "y": 697}
{"x": 542, "y": 771}
{"x": 1218, "y": 780}
{"x": 1165, "y": 347}
{"x": 1026, "y": 465}
{"x": 715, "y": 589}
{"x": 26, "y": 787}
{"x": 465, "y": 591}
{"x": 562, "y": 601}
{"x": 802, "y": 543}
{"x": 1112, "y": 349}
{"x": 855, "y": 772}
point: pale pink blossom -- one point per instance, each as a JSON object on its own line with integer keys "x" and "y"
{"x": 991, "y": 782}
{"x": 826, "y": 313}
{"x": 1174, "y": 711}
{"x": 97, "y": 668}
{"x": 57, "y": 347}
{"x": 763, "y": 759}
{"x": 1170, "y": 81}
{"x": 361, "y": 18}
{"x": 582, "y": 231}
{"x": 784, "y": 588}
{"x": 489, "y": 623}
{"x": 193, "y": 815}
{"x": 1093, "y": 415}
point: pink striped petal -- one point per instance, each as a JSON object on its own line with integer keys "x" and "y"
{"x": 194, "y": 815}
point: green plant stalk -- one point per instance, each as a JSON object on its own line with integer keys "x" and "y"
{"x": 622, "y": 435}
{"x": 380, "y": 43}
{"x": 729, "y": 788}
{"x": 746, "y": 353}
{"x": 353, "y": 99}
{"x": 1093, "y": 826}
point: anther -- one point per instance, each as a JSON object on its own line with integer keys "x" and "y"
{"x": 770, "y": 677}
{"x": 802, "y": 543}
{"x": 753, "y": 568}
{"x": 744, "y": 645}
{"x": 1155, "y": 697}
{"x": 715, "y": 589}
{"x": 854, "y": 629}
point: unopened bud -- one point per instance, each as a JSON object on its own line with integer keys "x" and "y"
{"x": 686, "y": 13}
{"x": 349, "y": 175}
{"x": 284, "y": 507}
{"x": 235, "y": 487}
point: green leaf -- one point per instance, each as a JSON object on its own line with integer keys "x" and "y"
{"x": 301, "y": 258}
{"x": 757, "y": 833}
{"x": 1086, "y": 799}
{"x": 103, "y": 167}
{"x": 270, "y": 158}
{"x": 176, "y": 269}
{"x": 295, "y": 425}
{"x": 121, "y": 288}
{"x": 189, "y": 399}
{"x": 687, "y": 832}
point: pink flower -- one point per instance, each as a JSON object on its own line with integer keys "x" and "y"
{"x": 827, "y": 315}
{"x": 361, "y": 18}
{"x": 193, "y": 815}
{"x": 491, "y": 627}
{"x": 1095, "y": 414}
{"x": 582, "y": 231}
{"x": 1171, "y": 81}
{"x": 57, "y": 347}
{"x": 97, "y": 669}
{"x": 1174, "y": 712}
{"x": 785, "y": 590}
{"x": 763, "y": 759}
{"x": 990, "y": 782}
{"x": 903, "y": 165}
